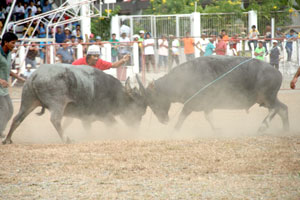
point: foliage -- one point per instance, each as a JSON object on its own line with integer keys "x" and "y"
{"x": 100, "y": 26}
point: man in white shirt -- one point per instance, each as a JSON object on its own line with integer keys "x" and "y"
{"x": 175, "y": 51}
{"x": 32, "y": 7}
{"x": 125, "y": 29}
{"x": 124, "y": 46}
{"x": 201, "y": 45}
{"x": 19, "y": 11}
{"x": 148, "y": 45}
{"x": 163, "y": 52}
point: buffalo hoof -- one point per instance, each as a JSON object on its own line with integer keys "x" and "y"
{"x": 262, "y": 129}
{"x": 7, "y": 141}
{"x": 68, "y": 140}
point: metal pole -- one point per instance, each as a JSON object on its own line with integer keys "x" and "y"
{"x": 8, "y": 17}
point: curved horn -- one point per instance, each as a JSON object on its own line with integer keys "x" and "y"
{"x": 142, "y": 88}
{"x": 128, "y": 88}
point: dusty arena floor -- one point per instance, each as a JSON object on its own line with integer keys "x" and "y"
{"x": 154, "y": 162}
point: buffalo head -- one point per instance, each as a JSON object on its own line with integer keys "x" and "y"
{"x": 135, "y": 105}
{"x": 158, "y": 102}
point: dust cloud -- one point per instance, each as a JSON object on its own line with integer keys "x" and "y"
{"x": 230, "y": 123}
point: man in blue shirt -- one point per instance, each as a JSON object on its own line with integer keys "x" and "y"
{"x": 289, "y": 43}
{"x": 6, "y": 108}
{"x": 209, "y": 50}
{"x": 66, "y": 54}
{"x": 59, "y": 35}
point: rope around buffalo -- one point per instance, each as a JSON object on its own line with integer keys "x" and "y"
{"x": 214, "y": 81}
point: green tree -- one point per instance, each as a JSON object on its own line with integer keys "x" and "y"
{"x": 101, "y": 25}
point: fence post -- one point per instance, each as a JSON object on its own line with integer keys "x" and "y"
{"x": 79, "y": 51}
{"x": 252, "y": 19}
{"x": 115, "y": 26}
{"x": 22, "y": 57}
{"x": 195, "y": 29}
{"x": 52, "y": 55}
{"x": 135, "y": 49}
{"x": 85, "y": 22}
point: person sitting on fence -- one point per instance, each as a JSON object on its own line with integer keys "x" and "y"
{"x": 260, "y": 51}
{"x": 59, "y": 35}
{"x": 163, "y": 52}
{"x": 267, "y": 37}
{"x": 92, "y": 59}
{"x": 33, "y": 51}
{"x": 290, "y": 38}
{"x": 66, "y": 54}
{"x": 253, "y": 36}
{"x": 274, "y": 55}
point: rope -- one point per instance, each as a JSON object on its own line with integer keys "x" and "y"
{"x": 217, "y": 79}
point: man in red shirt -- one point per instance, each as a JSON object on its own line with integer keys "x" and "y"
{"x": 92, "y": 59}
{"x": 221, "y": 46}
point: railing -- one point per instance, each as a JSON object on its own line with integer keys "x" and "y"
{"x": 137, "y": 61}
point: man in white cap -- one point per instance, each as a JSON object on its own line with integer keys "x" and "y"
{"x": 274, "y": 55}
{"x": 92, "y": 59}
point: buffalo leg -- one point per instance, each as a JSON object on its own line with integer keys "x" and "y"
{"x": 283, "y": 113}
{"x": 183, "y": 115}
{"x": 56, "y": 118}
{"x": 267, "y": 120}
{"x": 23, "y": 113}
{"x": 209, "y": 117}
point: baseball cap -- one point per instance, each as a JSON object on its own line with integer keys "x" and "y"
{"x": 93, "y": 50}
{"x": 67, "y": 28}
{"x": 141, "y": 31}
{"x": 98, "y": 38}
{"x": 136, "y": 36}
{"x": 275, "y": 41}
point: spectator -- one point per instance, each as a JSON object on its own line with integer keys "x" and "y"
{"x": 289, "y": 44}
{"x": 293, "y": 82}
{"x": 67, "y": 34}
{"x": 210, "y": 48}
{"x": 221, "y": 46}
{"x": 74, "y": 32}
{"x": 78, "y": 34}
{"x": 224, "y": 36}
{"x": 92, "y": 59}
{"x": 42, "y": 52}
{"x": 234, "y": 41}
{"x": 46, "y": 6}
{"x": 274, "y": 55}
{"x": 203, "y": 42}
{"x": 267, "y": 37}
{"x": 32, "y": 53}
{"x": 260, "y": 51}
{"x": 125, "y": 29}
{"x": 141, "y": 50}
{"x": 59, "y": 35}
{"x": 28, "y": 28}
{"x": 41, "y": 30}
{"x": 39, "y": 11}
{"x": 32, "y": 7}
{"x": 74, "y": 45}
{"x": 163, "y": 52}
{"x": 279, "y": 37}
{"x": 99, "y": 43}
{"x": 19, "y": 11}
{"x": 28, "y": 13}
{"x": 189, "y": 49}
{"x": 27, "y": 73}
{"x": 148, "y": 46}
{"x": 66, "y": 54}
{"x": 232, "y": 50}
{"x": 114, "y": 47}
{"x": 174, "y": 50}
{"x": 253, "y": 36}
{"x": 124, "y": 45}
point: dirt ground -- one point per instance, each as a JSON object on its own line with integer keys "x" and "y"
{"x": 154, "y": 162}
